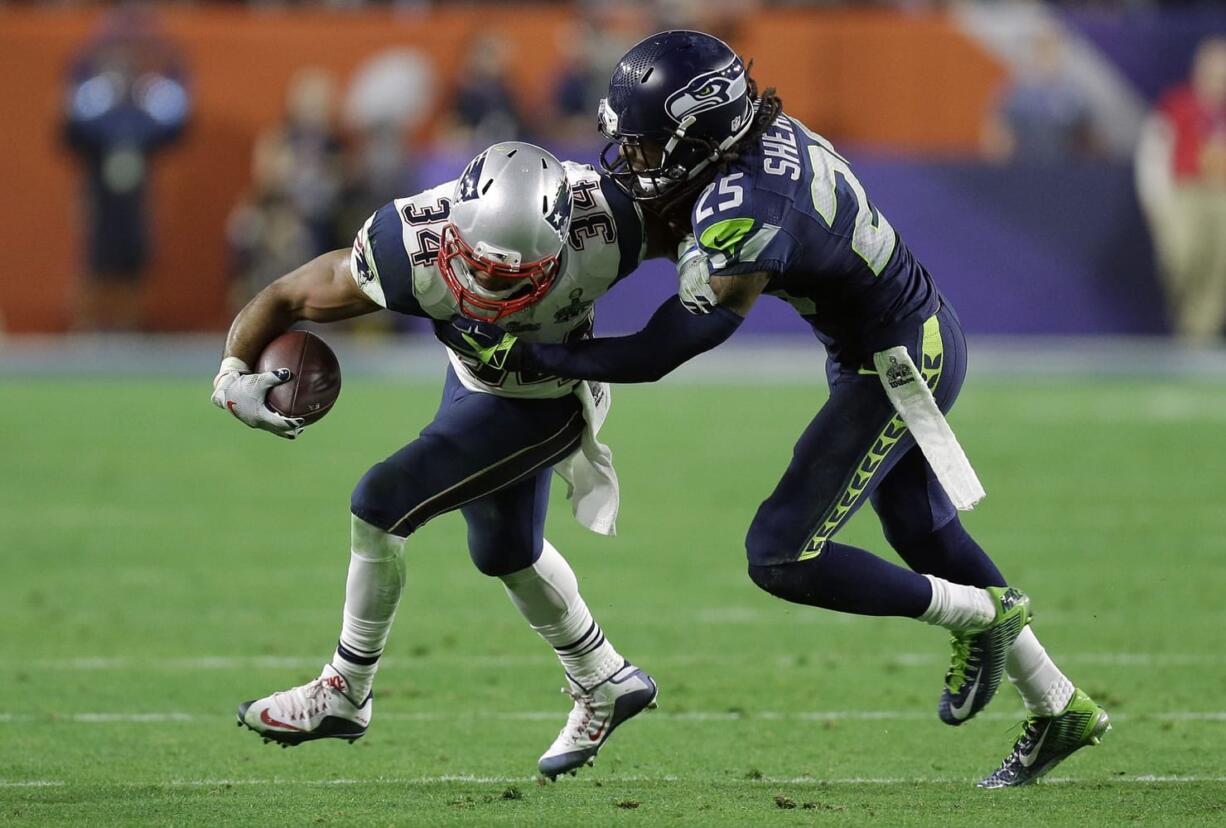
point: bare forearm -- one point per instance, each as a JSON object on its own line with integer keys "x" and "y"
{"x": 262, "y": 320}
{"x": 319, "y": 291}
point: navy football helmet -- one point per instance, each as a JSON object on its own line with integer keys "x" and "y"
{"x": 687, "y": 97}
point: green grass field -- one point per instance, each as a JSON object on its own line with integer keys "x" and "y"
{"x": 160, "y": 563}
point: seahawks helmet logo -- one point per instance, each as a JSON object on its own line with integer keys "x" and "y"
{"x": 708, "y": 91}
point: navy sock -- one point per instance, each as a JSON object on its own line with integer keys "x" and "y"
{"x": 952, "y": 554}
{"x": 846, "y": 579}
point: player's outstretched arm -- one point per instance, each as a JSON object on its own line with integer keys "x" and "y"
{"x": 673, "y": 335}
{"x": 322, "y": 290}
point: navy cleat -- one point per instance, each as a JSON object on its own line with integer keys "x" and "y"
{"x": 1046, "y": 741}
{"x": 321, "y": 709}
{"x": 979, "y": 657}
{"x": 596, "y": 714}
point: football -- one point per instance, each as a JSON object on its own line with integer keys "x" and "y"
{"x": 316, "y": 383}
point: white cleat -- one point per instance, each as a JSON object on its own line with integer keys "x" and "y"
{"x": 596, "y": 714}
{"x": 321, "y": 709}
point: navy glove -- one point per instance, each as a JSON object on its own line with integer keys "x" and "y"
{"x": 481, "y": 342}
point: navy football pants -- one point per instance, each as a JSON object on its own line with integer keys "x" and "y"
{"x": 491, "y": 458}
{"x": 858, "y": 449}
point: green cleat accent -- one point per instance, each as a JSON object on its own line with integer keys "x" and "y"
{"x": 979, "y": 657}
{"x": 1046, "y": 741}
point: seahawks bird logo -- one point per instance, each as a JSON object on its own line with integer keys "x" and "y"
{"x": 708, "y": 91}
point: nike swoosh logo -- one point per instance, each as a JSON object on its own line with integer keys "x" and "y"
{"x": 1028, "y": 758}
{"x": 594, "y": 735}
{"x": 230, "y": 406}
{"x": 963, "y": 710}
{"x": 271, "y": 722}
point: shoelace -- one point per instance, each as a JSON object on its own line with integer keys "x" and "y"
{"x": 304, "y": 701}
{"x": 962, "y": 661}
{"x": 581, "y": 715}
{"x": 1029, "y": 733}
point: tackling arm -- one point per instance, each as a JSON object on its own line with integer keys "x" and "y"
{"x": 672, "y": 336}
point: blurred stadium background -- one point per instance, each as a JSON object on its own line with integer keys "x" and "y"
{"x": 1000, "y": 136}
{"x": 1059, "y": 167}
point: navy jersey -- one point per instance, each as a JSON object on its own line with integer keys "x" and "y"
{"x": 791, "y": 206}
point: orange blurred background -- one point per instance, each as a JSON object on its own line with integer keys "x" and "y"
{"x": 905, "y": 83}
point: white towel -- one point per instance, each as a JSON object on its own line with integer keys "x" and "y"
{"x": 590, "y": 478}
{"x": 912, "y": 399}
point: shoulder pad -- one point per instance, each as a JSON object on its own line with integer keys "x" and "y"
{"x": 736, "y": 223}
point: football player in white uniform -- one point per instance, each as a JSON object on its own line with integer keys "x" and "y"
{"x": 531, "y": 243}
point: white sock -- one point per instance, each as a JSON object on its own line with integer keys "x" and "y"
{"x": 372, "y": 593}
{"x": 1045, "y": 690}
{"x": 547, "y": 593}
{"x": 958, "y": 607}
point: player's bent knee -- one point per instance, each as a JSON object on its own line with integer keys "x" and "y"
{"x": 379, "y": 499}
{"x": 498, "y": 556}
{"x": 498, "y": 561}
{"x": 768, "y": 539}
{"x": 501, "y": 538}
{"x": 773, "y": 578}
{"x": 493, "y": 564}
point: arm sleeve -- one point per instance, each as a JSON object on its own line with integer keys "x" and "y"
{"x": 672, "y": 336}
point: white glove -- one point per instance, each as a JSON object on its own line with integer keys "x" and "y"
{"x": 243, "y": 394}
{"x": 694, "y": 278}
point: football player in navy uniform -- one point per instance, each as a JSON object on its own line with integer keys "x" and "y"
{"x": 760, "y": 204}
{"x": 527, "y": 241}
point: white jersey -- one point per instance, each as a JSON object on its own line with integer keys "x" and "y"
{"x": 395, "y": 262}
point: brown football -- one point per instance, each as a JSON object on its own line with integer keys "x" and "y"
{"x": 317, "y": 375}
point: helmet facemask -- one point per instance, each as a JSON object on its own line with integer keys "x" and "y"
{"x": 509, "y": 222}
{"x": 462, "y": 268}
{"x": 681, "y": 158}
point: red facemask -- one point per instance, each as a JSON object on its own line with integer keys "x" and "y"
{"x": 539, "y": 277}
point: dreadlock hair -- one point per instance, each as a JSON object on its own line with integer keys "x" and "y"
{"x": 674, "y": 209}
{"x": 767, "y": 107}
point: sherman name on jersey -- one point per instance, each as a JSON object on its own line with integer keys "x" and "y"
{"x": 395, "y": 262}
{"x": 791, "y": 206}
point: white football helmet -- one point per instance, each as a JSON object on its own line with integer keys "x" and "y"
{"x": 510, "y": 215}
